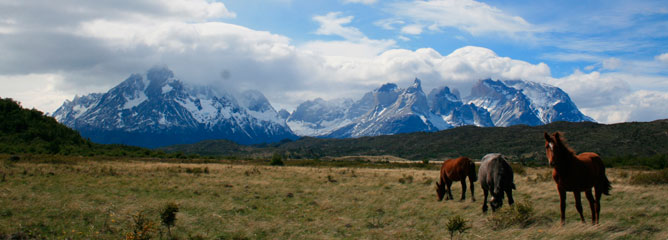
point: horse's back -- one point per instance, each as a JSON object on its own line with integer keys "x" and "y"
{"x": 593, "y": 161}
{"x": 455, "y": 169}
{"x": 493, "y": 165}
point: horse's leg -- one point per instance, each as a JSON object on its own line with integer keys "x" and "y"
{"x": 590, "y": 198}
{"x": 463, "y": 189}
{"x": 448, "y": 183}
{"x": 578, "y": 205}
{"x": 484, "y": 202}
{"x": 509, "y": 193}
{"x": 597, "y": 203}
{"x": 472, "y": 195}
{"x": 562, "y": 204}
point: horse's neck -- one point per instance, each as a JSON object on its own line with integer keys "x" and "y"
{"x": 566, "y": 163}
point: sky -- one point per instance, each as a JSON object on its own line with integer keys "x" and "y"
{"x": 610, "y": 56}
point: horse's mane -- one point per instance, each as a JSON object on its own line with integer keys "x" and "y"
{"x": 562, "y": 141}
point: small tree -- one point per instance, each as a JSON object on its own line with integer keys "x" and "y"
{"x": 168, "y": 216}
{"x": 276, "y": 160}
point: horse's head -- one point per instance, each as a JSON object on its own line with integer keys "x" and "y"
{"x": 555, "y": 149}
{"x": 440, "y": 191}
{"x": 497, "y": 201}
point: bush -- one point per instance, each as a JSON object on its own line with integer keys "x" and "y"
{"x": 142, "y": 228}
{"x": 520, "y": 214}
{"x": 168, "y": 216}
{"x": 650, "y": 178}
{"x": 457, "y": 224}
{"x": 276, "y": 160}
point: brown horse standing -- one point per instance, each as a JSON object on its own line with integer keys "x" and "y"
{"x": 576, "y": 173}
{"x": 456, "y": 170}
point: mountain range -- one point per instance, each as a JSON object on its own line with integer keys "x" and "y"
{"x": 391, "y": 110}
{"x": 156, "y": 109}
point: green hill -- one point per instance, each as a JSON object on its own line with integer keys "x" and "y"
{"x": 23, "y": 130}
{"x": 30, "y": 131}
{"x": 619, "y": 144}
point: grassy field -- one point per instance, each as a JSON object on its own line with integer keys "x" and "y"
{"x": 123, "y": 198}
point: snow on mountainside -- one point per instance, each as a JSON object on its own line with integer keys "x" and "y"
{"x": 390, "y": 110}
{"x": 157, "y": 109}
{"x": 394, "y": 111}
{"x": 552, "y": 103}
{"x": 319, "y": 117}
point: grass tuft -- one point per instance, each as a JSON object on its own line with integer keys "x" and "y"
{"x": 520, "y": 214}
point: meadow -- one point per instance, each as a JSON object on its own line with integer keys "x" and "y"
{"x": 124, "y": 198}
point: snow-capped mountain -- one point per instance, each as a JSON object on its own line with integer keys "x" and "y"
{"x": 319, "y": 117}
{"x": 452, "y": 110}
{"x": 157, "y": 109}
{"x": 390, "y": 110}
{"x": 552, "y": 103}
{"x": 514, "y": 102}
{"x": 395, "y": 111}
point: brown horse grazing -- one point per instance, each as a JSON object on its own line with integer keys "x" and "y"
{"x": 576, "y": 173}
{"x": 456, "y": 170}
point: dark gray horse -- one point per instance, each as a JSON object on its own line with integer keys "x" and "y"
{"x": 496, "y": 176}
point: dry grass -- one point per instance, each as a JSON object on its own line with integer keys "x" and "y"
{"x": 99, "y": 199}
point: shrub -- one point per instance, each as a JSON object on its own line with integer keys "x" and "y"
{"x": 650, "y": 178}
{"x": 518, "y": 169}
{"x": 457, "y": 224}
{"x": 406, "y": 179}
{"x": 521, "y": 214}
{"x": 276, "y": 160}
{"x": 142, "y": 228}
{"x": 168, "y": 216}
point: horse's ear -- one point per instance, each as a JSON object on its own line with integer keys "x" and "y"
{"x": 547, "y": 137}
{"x": 557, "y": 137}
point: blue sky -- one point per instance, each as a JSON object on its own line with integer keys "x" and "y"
{"x": 611, "y": 57}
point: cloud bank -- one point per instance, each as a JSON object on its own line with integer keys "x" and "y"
{"x": 48, "y": 60}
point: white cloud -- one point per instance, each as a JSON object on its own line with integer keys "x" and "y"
{"x": 412, "y": 29}
{"x": 367, "y": 2}
{"x": 332, "y": 24}
{"x": 612, "y": 63}
{"x": 470, "y": 16}
{"x": 591, "y": 90}
{"x": 642, "y": 105}
{"x": 662, "y": 58}
{"x": 34, "y": 90}
{"x": 356, "y": 44}
{"x": 388, "y": 23}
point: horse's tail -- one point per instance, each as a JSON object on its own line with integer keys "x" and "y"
{"x": 604, "y": 184}
{"x": 512, "y": 185}
{"x": 473, "y": 175}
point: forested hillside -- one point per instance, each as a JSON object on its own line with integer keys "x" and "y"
{"x": 616, "y": 143}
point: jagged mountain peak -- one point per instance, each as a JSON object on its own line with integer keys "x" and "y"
{"x": 388, "y": 87}
{"x": 156, "y": 109}
{"x": 415, "y": 87}
{"x": 390, "y": 109}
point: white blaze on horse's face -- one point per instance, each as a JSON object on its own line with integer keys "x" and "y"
{"x": 549, "y": 151}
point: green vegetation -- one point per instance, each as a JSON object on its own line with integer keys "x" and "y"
{"x": 520, "y": 214}
{"x": 625, "y": 144}
{"x": 650, "y": 178}
{"x": 276, "y": 160}
{"x": 24, "y": 131}
{"x": 457, "y": 224}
